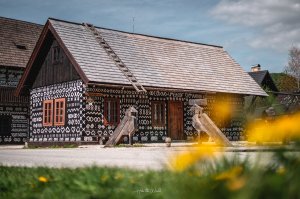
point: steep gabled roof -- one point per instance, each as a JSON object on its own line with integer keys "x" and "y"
{"x": 258, "y": 76}
{"x": 264, "y": 79}
{"x": 17, "y": 40}
{"x": 155, "y": 62}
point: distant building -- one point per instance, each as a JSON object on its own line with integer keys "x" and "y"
{"x": 17, "y": 40}
{"x": 81, "y": 80}
{"x": 258, "y": 105}
{"x": 263, "y": 78}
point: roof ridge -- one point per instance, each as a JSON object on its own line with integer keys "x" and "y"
{"x": 140, "y": 34}
{"x": 28, "y": 22}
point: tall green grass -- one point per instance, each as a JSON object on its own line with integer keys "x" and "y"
{"x": 224, "y": 178}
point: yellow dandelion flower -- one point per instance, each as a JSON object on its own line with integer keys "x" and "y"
{"x": 236, "y": 184}
{"x": 230, "y": 174}
{"x": 182, "y": 161}
{"x": 43, "y": 179}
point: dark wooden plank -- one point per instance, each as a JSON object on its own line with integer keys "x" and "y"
{"x": 55, "y": 72}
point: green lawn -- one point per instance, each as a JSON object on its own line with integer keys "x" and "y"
{"x": 223, "y": 179}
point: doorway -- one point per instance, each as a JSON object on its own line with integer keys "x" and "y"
{"x": 175, "y": 120}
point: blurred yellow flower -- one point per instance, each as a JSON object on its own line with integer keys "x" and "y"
{"x": 233, "y": 178}
{"x": 184, "y": 160}
{"x": 236, "y": 184}
{"x": 223, "y": 110}
{"x": 230, "y": 174}
{"x": 43, "y": 179}
{"x": 277, "y": 130}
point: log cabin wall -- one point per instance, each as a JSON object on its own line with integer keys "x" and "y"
{"x": 73, "y": 128}
{"x": 13, "y": 110}
{"x": 95, "y": 121}
{"x": 85, "y": 121}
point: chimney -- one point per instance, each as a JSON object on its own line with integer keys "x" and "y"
{"x": 255, "y": 68}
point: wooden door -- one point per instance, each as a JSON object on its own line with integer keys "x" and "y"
{"x": 175, "y": 120}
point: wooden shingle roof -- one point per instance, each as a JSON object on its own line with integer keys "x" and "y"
{"x": 155, "y": 62}
{"x": 17, "y": 41}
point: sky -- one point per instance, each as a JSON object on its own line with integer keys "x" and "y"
{"x": 252, "y": 32}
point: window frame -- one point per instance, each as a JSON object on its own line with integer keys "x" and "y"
{"x": 115, "y": 115}
{"x": 47, "y": 116}
{"x": 56, "y": 55}
{"x": 62, "y": 115}
{"x": 155, "y": 122}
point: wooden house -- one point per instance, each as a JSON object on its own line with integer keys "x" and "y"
{"x": 81, "y": 80}
{"x": 17, "y": 40}
{"x": 263, "y": 78}
{"x": 259, "y": 104}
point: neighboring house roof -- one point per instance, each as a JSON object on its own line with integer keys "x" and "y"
{"x": 258, "y": 76}
{"x": 155, "y": 62}
{"x": 17, "y": 41}
{"x": 264, "y": 79}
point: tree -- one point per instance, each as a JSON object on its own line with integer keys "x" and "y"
{"x": 293, "y": 67}
{"x": 284, "y": 82}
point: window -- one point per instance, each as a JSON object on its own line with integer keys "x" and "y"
{"x": 5, "y": 125}
{"x": 111, "y": 111}
{"x": 158, "y": 113}
{"x": 47, "y": 112}
{"x": 59, "y": 112}
{"x": 56, "y": 55}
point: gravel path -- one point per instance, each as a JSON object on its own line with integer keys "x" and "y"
{"x": 135, "y": 157}
{"x": 155, "y": 157}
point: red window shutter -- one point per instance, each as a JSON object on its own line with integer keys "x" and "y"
{"x": 59, "y": 111}
{"x": 105, "y": 112}
{"x": 47, "y": 112}
{"x": 118, "y": 111}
